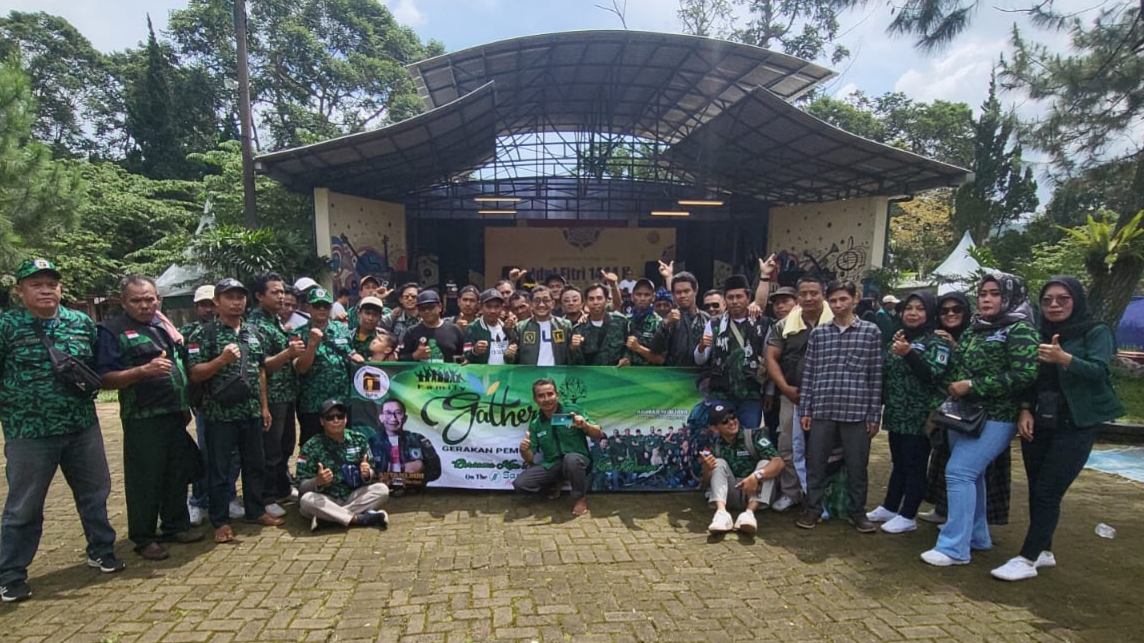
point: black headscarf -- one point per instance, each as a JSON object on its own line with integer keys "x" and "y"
{"x": 929, "y": 302}
{"x": 1079, "y": 322}
{"x": 962, "y": 299}
{"x": 1014, "y": 302}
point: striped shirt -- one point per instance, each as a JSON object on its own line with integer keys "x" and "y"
{"x": 842, "y": 376}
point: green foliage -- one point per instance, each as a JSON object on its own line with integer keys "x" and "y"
{"x": 884, "y": 279}
{"x": 277, "y": 206}
{"x": 1001, "y": 191}
{"x": 233, "y": 251}
{"x": 39, "y": 196}
{"x": 1105, "y": 244}
{"x": 807, "y": 29}
{"x": 940, "y": 130}
{"x": 1129, "y": 386}
{"x": 921, "y": 235}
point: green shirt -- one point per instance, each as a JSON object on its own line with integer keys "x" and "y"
{"x": 342, "y": 458}
{"x": 644, "y": 331}
{"x": 205, "y": 345}
{"x": 602, "y": 345}
{"x": 33, "y": 403}
{"x": 553, "y": 443}
{"x": 1002, "y": 365}
{"x": 282, "y": 385}
{"x": 911, "y": 384}
{"x": 329, "y": 375}
{"x": 738, "y": 456}
{"x": 360, "y": 344}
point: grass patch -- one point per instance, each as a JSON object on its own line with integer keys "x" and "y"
{"x": 1130, "y": 387}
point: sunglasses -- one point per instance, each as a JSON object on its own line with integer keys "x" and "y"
{"x": 711, "y": 305}
{"x": 335, "y": 416}
{"x": 1049, "y": 300}
{"x": 952, "y": 310}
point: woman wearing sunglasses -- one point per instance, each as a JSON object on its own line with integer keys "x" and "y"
{"x": 953, "y": 318}
{"x": 994, "y": 365}
{"x": 1060, "y": 416}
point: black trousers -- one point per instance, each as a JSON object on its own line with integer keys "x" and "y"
{"x": 1053, "y": 460}
{"x": 154, "y": 477}
{"x": 573, "y": 468}
{"x": 278, "y": 446}
{"x": 907, "y": 487}
{"x": 309, "y": 425}
{"x": 222, "y": 439}
{"x": 824, "y": 436}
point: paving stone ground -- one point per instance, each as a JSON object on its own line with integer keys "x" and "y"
{"x": 471, "y": 566}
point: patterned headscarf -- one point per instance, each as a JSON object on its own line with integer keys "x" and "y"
{"x": 1014, "y": 302}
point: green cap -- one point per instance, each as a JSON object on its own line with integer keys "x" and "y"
{"x": 32, "y": 266}
{"x": 321, "y": 295}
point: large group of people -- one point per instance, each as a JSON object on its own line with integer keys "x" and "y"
{"x": 795, "y": 381}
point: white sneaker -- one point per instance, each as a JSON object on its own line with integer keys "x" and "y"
{"x": 782, "y": 504}
{"x": 196, "y": 515}
{"x": 881, "y": 514}
{"x": 1046, "y": 559}
{"x": 236, "y": 510}
{"x": 746, "y": 523}
{"x": 938, "y": 559}
{"x": 1018, "y": 568}
{"x": 932, "y": 516}
{"x": 898, "y": 525}
{"x": 275, "y": 509}
{"x": 721, "y": 523}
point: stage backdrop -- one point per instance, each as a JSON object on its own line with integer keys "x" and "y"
{"x": 475, "y": 417}
{"x": 577, "y": 253}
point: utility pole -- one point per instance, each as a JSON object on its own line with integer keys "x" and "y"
{"x": 250, "y": 197}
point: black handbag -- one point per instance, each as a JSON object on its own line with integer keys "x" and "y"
{"x": 958, "y": 415}
{"x": 77, "y": 378}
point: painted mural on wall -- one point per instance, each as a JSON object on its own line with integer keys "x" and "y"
{"x": 829, "y": 240}
{"x": 367, "y": 238}
{"x": 842, "y": 259}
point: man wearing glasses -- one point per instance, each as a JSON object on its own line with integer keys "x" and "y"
{"x": 433, "y": 339}
{"x": 335, "y": 478}
{"x": 739, "y": 471}
{"x": 544, "y": 339}
{"x": 404, "y": 317}
{"x": 713, "y": 302}
{"x": 403, "y": 459}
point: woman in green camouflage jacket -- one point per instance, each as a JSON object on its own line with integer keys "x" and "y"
{"x": 914, "y": 367}
{"x": 994, "y": 365}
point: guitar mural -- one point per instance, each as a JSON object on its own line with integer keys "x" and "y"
{"x": 349, "y": 263}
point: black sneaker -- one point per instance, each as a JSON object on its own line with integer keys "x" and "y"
{"x": 15, "y": 591}
{"x": 108, "y": 564}
{"x": 378, "y": 519}
{"x": 808, "y": 519}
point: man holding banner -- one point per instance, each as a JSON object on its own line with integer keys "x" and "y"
{"x": 560, "y": 432}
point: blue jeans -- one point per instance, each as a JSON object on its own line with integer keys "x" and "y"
{"x": 965, "y": 528}
{"x": 31, "y": 464}
{"x": 200, "y": 492}
{"x": 749, "y": 412}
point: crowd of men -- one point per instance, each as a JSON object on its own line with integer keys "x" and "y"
{"x": 264, "y": 369}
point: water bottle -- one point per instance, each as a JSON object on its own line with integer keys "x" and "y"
{"x": 1105, "y": 531}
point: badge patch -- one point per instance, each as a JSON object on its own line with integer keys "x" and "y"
{"x": 529, "y": 337}
{"x": 131, "y": 334}
{"x": 558, "y": 336}
{"x": 193, "y": 349}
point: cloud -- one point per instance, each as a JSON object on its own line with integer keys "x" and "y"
{"x": 962, "y": 75}
{"x": 406, "y": 12}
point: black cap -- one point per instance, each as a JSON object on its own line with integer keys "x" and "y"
{"x": 644, "y": 281}
{"x": 719, "y": 414}
{"x": 556, "y": 275}
{"x": 491, "y": 294}
{"x": 331, "y": 404}
{"x": 734, "y": 282}
{"x": 229, "y": 284}
{"x": 428, "y": 297}
{"x": 470, "y": 288}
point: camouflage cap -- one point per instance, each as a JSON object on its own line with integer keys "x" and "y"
{"x": 321, "y": 295}
{"x": 33, "y": 266}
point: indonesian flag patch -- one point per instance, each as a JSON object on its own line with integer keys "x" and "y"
{"x": 193, "y": 349}
{"x": 468, "y": 347}
{"x": 131, "y": 334}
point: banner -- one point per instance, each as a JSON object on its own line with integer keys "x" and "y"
{"x": 461, "y": 426}
{"x": 577, "y": 253}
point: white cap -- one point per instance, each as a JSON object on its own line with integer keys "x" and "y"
{"x": 204, "y": 293}
{"x": 305, "y": 283}
{"x": 890, "y": 299}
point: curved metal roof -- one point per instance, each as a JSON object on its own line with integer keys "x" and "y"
{"x": 655, "y": 85}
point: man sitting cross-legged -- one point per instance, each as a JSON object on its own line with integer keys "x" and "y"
{"x": 740, "y": 470}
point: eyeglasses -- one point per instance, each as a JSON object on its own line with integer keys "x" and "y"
{"x": 334, "y": 416}
{"x": 952, "y": 310}
{"x": 393, "y": 414}
{"x": 1049, "y": 300}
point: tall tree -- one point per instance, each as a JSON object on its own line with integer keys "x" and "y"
{"x": 808, "y": 29}
{"x": 38, "y": 195}
{"x": 319, "y": 68}
{"x": 68, "y": 78}
{"x": 1001, "y": 190}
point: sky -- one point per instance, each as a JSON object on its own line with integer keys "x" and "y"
{"x": 879, "y": 63}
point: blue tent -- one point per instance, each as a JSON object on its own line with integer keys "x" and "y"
{"x": 1130, "y": 334}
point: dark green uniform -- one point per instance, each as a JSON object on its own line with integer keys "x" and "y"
{"x": 531, "y": 337}
{"x": 602, "y": 345}
{"x": 553, "y": 443}
{"x": 644, "y": 331}
{"x": 206, "y": 345}
{"x": 734, "y": 366}
{"x": 282, "y": 385}
{"x": 360, "y": 344}
{"x": 343, "y": 459}
{"x": 1001, "y": 363}
{"x": 353, "y": 319}
{"x": 738, "y": 457}
{"x": 911, "y": 386}
{"x": 478, "y": 331}
{"x": 33, "y": 403}
{"x": 329, "y": 376}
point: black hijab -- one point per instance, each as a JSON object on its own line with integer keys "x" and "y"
{"x": 963, "y": 300}
{"x": 929, "y": 302}
{"x": 1079, "y": 322}
{"x": 1014, "y": 302}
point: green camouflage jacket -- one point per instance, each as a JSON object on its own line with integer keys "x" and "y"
{"x": 206, "y": 345}
{"x": 329, "y": 376}
{"x": 282, "y": 385}
{"x": 602, "y": 345}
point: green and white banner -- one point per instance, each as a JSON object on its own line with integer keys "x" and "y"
{"x": 475, "y": 417}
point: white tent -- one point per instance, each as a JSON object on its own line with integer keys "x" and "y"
{"x": 178, "y": 280}
{"x": 959, "y": 267}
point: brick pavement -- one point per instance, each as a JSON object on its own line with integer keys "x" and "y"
{"x": 471, "y": 566}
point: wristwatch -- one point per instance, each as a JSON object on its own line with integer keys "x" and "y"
{"x": 759, "y": 475}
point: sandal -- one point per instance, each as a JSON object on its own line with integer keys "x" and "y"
{"x": 268, "y": 520}
{"x": 224, "y": 535}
